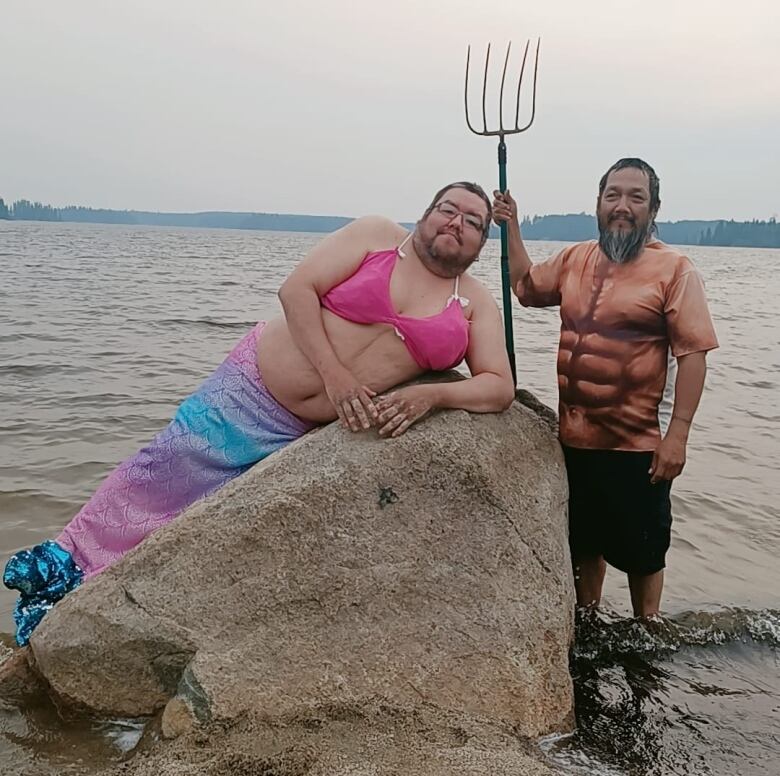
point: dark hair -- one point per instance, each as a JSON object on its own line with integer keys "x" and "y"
{"x": 638, "y": 164}
{"x": 473, "y": 188}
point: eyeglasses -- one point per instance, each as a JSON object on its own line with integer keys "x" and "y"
{"x": 449, "y": 211}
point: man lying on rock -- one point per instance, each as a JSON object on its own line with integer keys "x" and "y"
{"x": 370, "y": 307}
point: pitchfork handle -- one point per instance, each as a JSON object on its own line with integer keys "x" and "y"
{"x": 506, "y": 293}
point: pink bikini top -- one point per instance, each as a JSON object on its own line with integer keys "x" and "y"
{"x": 436, "y": 343}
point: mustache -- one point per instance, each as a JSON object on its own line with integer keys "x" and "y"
{"x": 631, "y": 220}
{"x": 451, "y": 233}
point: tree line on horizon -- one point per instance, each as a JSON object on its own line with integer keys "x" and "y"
{"x": 736, "y": 234}
{"x": 572, "y": 227}
{"x": 24, "y": 210}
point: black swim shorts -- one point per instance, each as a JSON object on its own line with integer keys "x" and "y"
{"x": 615, "y": 511}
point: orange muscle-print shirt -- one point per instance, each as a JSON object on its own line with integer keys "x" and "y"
{"x": 618, "y": 322}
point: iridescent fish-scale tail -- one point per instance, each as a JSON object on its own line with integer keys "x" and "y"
{"x": 230, "y": 423}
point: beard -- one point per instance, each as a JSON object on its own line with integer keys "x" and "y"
{"x": 621, "y": 247}
{"x": 442, "y": 262}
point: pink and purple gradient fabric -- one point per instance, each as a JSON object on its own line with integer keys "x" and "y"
{"x": 230, "y": 423}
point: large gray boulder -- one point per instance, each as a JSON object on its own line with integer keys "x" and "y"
{"x": 347, "y": 569}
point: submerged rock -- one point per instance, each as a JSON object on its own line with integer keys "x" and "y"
{"x": 18, "y": 680}
{"x": 430, "y": 570}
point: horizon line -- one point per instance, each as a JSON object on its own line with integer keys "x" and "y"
{"x": 320, "y": 215}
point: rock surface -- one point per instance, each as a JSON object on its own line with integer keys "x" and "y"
{"x": 365, "y": 740}
{"x": 18, "y": 679}
{"x": 431, "y": 570}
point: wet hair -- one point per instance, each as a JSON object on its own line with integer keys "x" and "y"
{"x": 637, "y": 164}
{"x": 473, "y": 188}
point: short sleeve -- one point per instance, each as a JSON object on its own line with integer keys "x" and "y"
{"x": 688, "y": 321}
{"x": 541, "y": 287}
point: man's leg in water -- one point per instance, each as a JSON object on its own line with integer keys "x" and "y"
{"x": 589, "y": 573}
{"x": 638, "y": 520}
{"x": 646, "y": 592}
{"x": 586, "y": 513}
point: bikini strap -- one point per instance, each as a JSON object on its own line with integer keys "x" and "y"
{"x": 399, "y": 249}
{"x": 456, "y": 296}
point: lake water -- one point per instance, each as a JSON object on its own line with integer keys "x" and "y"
{"x": 104, "y": 329}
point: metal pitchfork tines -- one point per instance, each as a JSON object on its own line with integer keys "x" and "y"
{"x": 501, "y": 131}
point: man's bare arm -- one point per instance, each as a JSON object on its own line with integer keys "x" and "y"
{"x": 505, "y": 210}
{"x": 669, "y": 457}
{"x": 330, "y": 262}
{"x": 489, "y": 389}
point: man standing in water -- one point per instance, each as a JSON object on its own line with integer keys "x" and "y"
{"x": 625, "y": 300}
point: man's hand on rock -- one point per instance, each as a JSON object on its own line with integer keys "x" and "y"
{"x": 353, "y": 402}
{"x": 399, "y": 409}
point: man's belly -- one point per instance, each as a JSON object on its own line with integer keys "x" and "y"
{"x": 374, "y": 354}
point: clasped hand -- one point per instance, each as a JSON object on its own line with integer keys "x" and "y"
{"x": 392, "y": 414}
{"x": 399, "y": 409}
{"x": 353, "y": 401}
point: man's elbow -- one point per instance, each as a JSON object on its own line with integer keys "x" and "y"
{"x": 504, "y": 395}
{"x": 287, "y": 292}
{"x": 283, "y": 293}
{"x": 521, "y": 293}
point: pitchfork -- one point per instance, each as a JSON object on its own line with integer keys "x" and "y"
{"x": 501, "y": 132}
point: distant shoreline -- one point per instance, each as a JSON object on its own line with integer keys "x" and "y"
{"x": 572, "y": 227}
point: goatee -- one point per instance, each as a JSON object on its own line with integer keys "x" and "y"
{"x": 445, "y": 266}
{"x": 621, "y": 247}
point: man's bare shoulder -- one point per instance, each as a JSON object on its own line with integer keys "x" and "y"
{"x": 476, "y": 291}
{"x": 379, "y": 231}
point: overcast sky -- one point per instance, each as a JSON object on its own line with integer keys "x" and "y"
{"x": 339, "y": 107}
